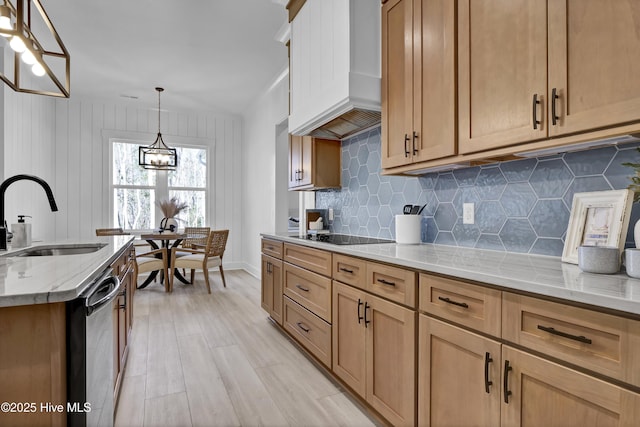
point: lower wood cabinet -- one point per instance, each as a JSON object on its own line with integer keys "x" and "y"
{"x": 123, "y": 316}
{"x": 271, "y": 295}
{"x": 374, "y": 351}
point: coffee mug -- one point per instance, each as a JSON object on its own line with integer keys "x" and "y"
{"x": 632, "y": 262}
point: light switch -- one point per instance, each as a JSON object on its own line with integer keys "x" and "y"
{"x": 468, "y": 213}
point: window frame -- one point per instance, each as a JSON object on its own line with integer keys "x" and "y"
{"x": 162, "y": 188}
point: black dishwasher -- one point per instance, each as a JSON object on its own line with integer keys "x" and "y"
{"x": 90, "y": 353}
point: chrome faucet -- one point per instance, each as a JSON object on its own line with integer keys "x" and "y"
{"x": 4, "y": 232}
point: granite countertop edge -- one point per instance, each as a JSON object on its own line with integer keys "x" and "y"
{"x": 51, "y": 279}
{"x": 531, "y": 274}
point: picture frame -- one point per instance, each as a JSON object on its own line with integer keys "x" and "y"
{"x": 598, "y": 218}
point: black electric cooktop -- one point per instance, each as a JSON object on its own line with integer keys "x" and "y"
{"x": 344, "y": 239}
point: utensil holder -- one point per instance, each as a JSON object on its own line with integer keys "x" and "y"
{"x": 408, "y": 229}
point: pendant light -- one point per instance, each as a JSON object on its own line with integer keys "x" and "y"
{"x": 157, "y": 155}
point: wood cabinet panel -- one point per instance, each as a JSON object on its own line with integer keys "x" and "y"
{"x": 391, "y": 360}
{"x": 311, "y": 331}
{"x": 469, "y": 305}
{"x": 266, "y": 294}
{"x": 596, "y": 341}
{"x": 272, "y": 248}
{"x": 543, "y": 393}
{"x": 308, "y": 289}
{"x": 316, "y": 260}
{"x": 395, "y": 283}
{"x": 349, "y": 270}
{"x": 502, "y": 64}
{"x": 458, "y": 376}
{"x": 314, "y": 163}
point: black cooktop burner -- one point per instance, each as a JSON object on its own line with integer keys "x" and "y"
{"x": 344, "y": 239}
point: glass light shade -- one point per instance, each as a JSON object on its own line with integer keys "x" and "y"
{"x": 17, "y": 44}
{"x": 37, "y": 69}
{"x": 27, "y": 57}
{"x": 5, "y": 20}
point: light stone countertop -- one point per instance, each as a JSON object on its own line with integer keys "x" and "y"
{"x": 42, "y": 279}
{"x": 535, "y": 274}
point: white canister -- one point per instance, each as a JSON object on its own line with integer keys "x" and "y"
{"x": 408, "y": 229}
{"x": 21, "y": 233}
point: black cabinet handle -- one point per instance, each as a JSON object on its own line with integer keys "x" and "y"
{"x": 302, "y": 288}
{"x": 415, "y": 136}
{"x": 406, "y": 141}
{"x": 487, "y": 383}
{"x": 386, "y": 282}
{"x": 359, "y": 304}
{"x": 123, "y": 306}
{"x": 505, "y": 385}
{"x": 366, "y": 321}
{"x": 301, "y": 326}
{"x": 459, "y": 304}
{"x": 346, "y": 270}
{"x": 536, "y": 101}
{"x": 554, "y": 97}
{"x": 553, "y": 331}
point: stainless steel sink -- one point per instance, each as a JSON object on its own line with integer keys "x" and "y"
{"x": 56, "y": 250}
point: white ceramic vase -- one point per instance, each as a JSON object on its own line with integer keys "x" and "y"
{"x": 169, "y": 224}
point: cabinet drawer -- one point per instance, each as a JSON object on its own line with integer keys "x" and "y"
{"x": 309, "y": 258}
{"x": 596, "y": 341}
{"x": 309, "y": 290}
{"x": 272, "y": 248}
{"x": 473, "y": 306}
{"x": 352, "y": 271}
{"x": 394, "y": 283}
{"x": 311, "y": 331}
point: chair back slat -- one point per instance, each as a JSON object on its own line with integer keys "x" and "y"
{"x": 111, "y": 232}
{"x": 217, "y": 242}
{"x": 195, "y": 235}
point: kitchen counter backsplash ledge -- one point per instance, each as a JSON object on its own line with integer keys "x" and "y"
{"x": 536, "y": 274}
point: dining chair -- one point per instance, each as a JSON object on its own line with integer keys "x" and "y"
{"x": 194, "y": 236}
{"x": 203, "y": 258}
{"x": 144, "y": 262}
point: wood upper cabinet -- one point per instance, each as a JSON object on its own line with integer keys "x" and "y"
{"x": 374, "y": 351}
{"x": 502, "y": 72}
{"x": 594, "y": 55}
{"x": 314, "y": 163}
{"x": 418, "y": 81}
{"x": 459, "y": 376}
{"x": 543, "y": 393}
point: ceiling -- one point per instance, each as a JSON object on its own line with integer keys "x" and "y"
{"x": 213, "y": 55}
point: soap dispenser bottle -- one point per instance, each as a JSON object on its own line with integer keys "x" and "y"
{"x": 21, "y": 233}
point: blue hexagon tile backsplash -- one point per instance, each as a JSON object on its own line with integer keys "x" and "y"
{"x": 520, "y": 206}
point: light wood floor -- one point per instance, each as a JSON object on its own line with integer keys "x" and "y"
{"x": 215, "y": 360}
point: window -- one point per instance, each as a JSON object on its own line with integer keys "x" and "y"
{"x": 135, "y": 190}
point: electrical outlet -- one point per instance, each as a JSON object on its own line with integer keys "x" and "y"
{"x": 330, "y": 214}
{"x": 468, "y": 213}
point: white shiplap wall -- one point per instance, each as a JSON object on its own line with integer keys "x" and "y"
{"x": 64, "y": 141}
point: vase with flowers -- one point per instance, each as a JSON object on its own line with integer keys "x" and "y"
{"x": 170, "y": 209}
{"x": 635, "y": 187}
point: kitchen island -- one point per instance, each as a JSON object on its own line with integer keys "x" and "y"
{"x": 35, "y": 332}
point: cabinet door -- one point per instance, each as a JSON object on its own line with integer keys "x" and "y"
{"x": 276, "y": 286}
{"x": 434, "y": 78}
{"x": 306, "y": 158}
{"x": 542, "y": 393}
{"x": 502, "y": 65}
{"x": 391, "y": 360}
{"x": 397, "y": 82}
{"x": 594, "y": 55}
{"x": 267, "y": 285}
{"x": 295, "y": 160}
{"x": 349, "y": 336}
{"x": 459, "y": 377}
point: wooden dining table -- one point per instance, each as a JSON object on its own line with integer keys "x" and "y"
{"x": 167, "y": 240}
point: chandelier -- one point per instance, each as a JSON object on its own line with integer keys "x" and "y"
{"x": 157, "y": 155}
{"x": 16, "y": 25}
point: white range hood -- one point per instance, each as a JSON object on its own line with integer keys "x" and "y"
{"x": 335, "y": 68}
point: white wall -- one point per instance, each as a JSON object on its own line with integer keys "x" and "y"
{"x": 63, "y": 142}
{"x": 259, "y": 166}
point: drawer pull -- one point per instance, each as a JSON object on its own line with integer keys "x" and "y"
{"x": 487, "y": 383}
{"x": 406, "y": 141}
{"x": 269, "y": 248}
{"x": 459, "y": 304}
{"x": 536, "y": 101}
{"x": 554, "y": 97}
{"x": 551, "y": 330}
{"x": 366, "y": 307}
{"x": 346, "y": 270}
{"x": 302, "y": 288}
{"x": 505, "y": 384}
{"x": 386, "y": 282}
{"x": 359, "y": 304}
{"x": 301, "y": 326}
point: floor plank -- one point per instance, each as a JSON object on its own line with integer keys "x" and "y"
{"x": 168, "y": 410}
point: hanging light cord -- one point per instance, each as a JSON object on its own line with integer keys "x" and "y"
{"x": 159, "y": 89}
